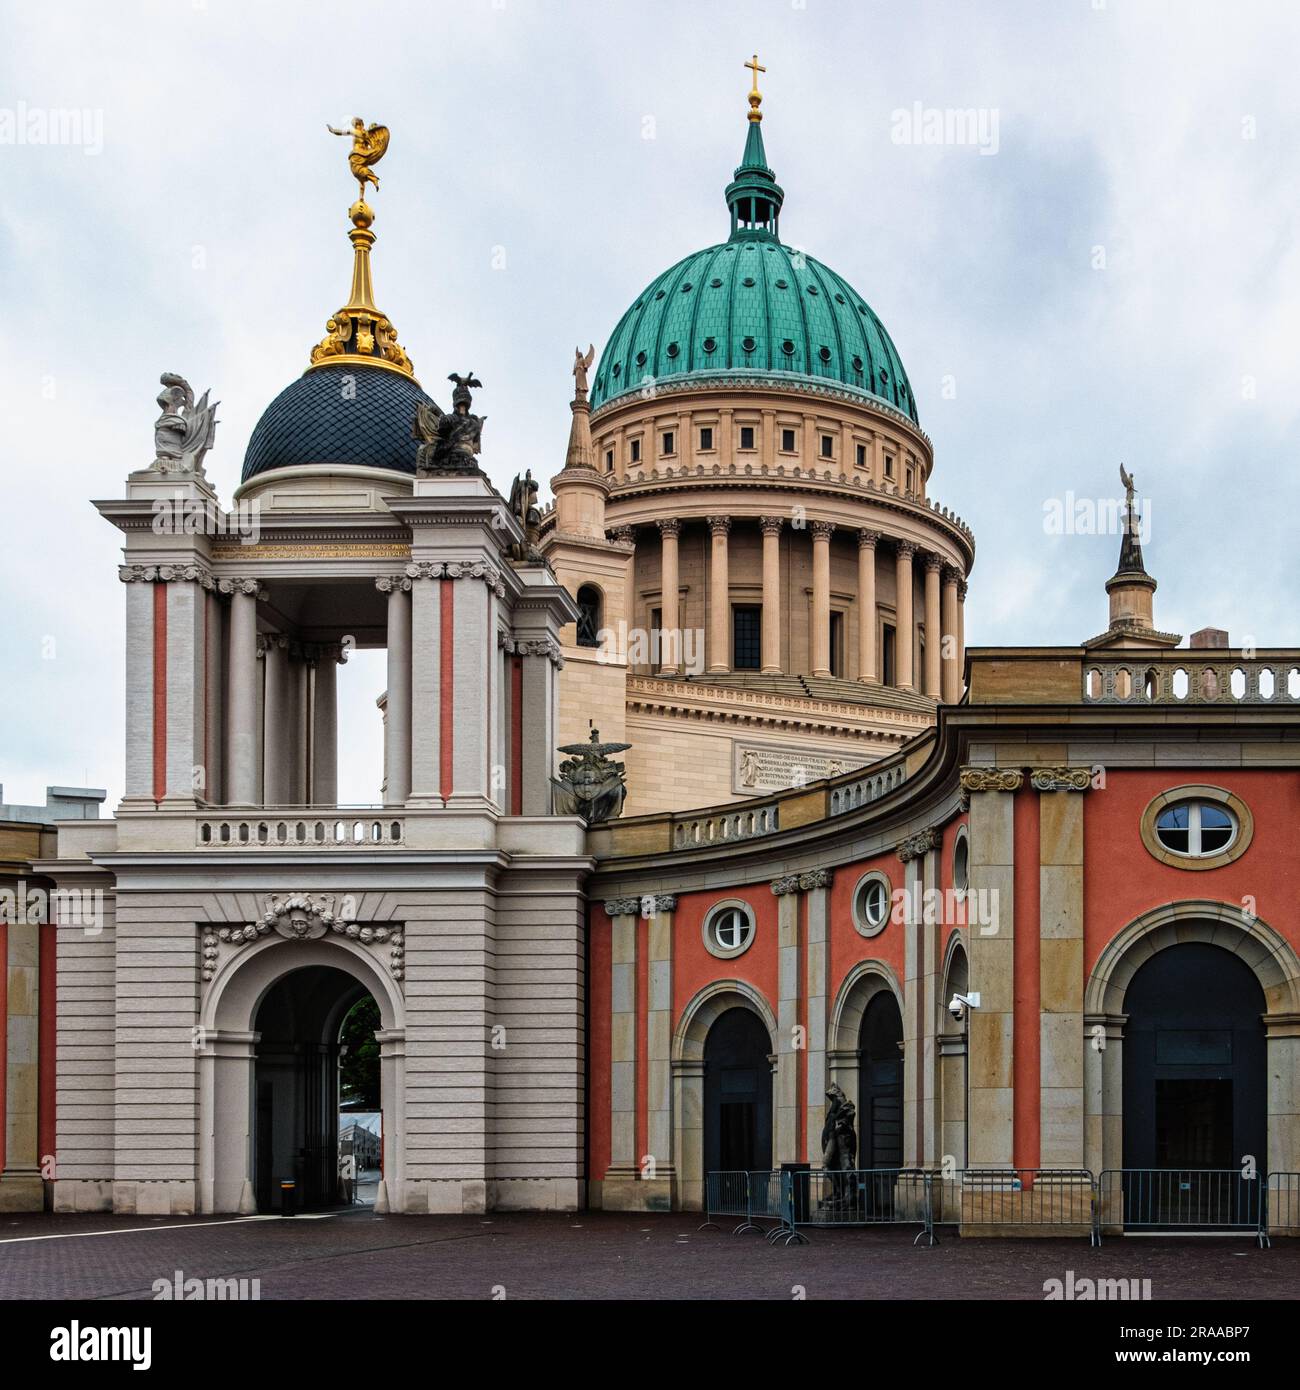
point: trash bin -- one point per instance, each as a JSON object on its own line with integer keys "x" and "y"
{"x": 800, "y": 1184}
{"x": 288, "y": 1197}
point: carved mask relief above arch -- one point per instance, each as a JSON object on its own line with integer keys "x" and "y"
{"x": 300, "y": 917}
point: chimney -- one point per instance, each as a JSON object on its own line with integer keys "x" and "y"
{"x": 1209, "y": 637}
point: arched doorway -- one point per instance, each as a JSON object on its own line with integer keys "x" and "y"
{"x": 1195, "y": 1075}
{"x": 880, "y": 1084}
{"x": 954, "y": 1061}
{"x": 296, "y": 1085}
{"x": 737, "y": 1094}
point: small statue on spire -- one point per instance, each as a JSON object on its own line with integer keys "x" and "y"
{"x": 581, "y": 366}
{"x": 450, "y": 441}
{"x": 369, "y": 146}
{"x": 185, "y": 430}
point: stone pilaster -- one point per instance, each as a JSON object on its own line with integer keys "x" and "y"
{"x": 242, "y": 670}
{"x": 992, "y": 964}
{"x": 619, "y": 1187}
{"x": 816, "y": 885}
{"x": 786, "y": 1129}
{"x": 21, "y": 1185}
{"x": 426, "y": 696}
{"x": 919, "y": 854}
{"x": 1061, "y": 982}
{"x": 658, "y": 1191}
{"x": 397, "y": 723}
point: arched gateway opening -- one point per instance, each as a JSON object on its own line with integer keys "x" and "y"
{"x": 880, "y": 1084}
{"x": 1194, "y": 1061}
{"x": 270, "y": 1050}
{"x": 297, "y": 1085}
{"x": 737, "y": 1094}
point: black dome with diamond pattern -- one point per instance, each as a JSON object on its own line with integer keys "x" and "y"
{"x": 338, "y": 415}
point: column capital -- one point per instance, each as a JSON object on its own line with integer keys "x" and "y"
{"x": 921, "y": 843}
{"x": 961, "y": 590}
{"x": 1060, "y": 779}
{"x": 933, "y": 562}
{"x": 905, "y": 549}
{"x": 719, "y": 525}
{"x": 166, "y": 574}
{"x": 622, "y": 907}
{"x": 991, "y": 779}
{"x": 815, "y": 878}
{"x": 822, "y": 530}
{"x": 234, "y": 584}
{"x": 787, "y": 884}
{"x": 623, "y": 535}
{"x": 664, "y": 902}
{"x": 771, "y": 525}
{"x": 669, "y": 526}
{"x": 457, "y": 569}
{"x": 317, "y": 652}
{"x": 868, "y": 539}
{"x": 393, "y": 583}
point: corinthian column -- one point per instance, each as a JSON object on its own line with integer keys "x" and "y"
{"x": 771, "y": 527}
{"x": 933, "y": 637}
{"x": 719, "y": 597}
{"x": 821, "y": 635}
{"x": 867, "y": 604}
{"x": 951, "y": 670}
{"x": 670, "y": 634}
{"x": 905, "y": 638}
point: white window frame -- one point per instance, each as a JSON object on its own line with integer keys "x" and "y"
{"x": 712, "y": 944}
{"x": 1194, "y": 850}
{"x": 861, "y": 923}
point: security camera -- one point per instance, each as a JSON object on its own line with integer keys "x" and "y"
{"x": 959, "y": 1003}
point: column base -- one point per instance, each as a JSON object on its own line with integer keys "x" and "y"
{"x": 22, "y": 1191}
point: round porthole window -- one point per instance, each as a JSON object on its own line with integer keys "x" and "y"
{"x": 1197, "y": 827}
{"x": 672, "y": 349}
{"x": 748, "y": 344}
{"x": 728, "y": 929}
{"x": 871, "y": 904}
{"x": 710, "y": 344}
{"x": 787, "y": 347}
{"x": 640, "y": 359}
{"x": 824, "y": 353}
{"x": 961, "y": 862}
{"x": 715, "y": 283}
{"x": 748, "y": 282}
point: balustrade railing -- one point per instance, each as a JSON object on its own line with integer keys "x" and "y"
{"x": 336, "y": 828}
{"x": 1193, "y": 678}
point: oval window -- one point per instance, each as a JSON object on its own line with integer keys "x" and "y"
{"x": 1196, "y": 828}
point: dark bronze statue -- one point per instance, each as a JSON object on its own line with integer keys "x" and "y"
{"x": 450, "y": 441}
{"x": 839, "y": 1144}
{"x": 589, "y": 784}
{"x": 524, "y": 508}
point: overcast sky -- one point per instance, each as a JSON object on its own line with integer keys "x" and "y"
{"x": 1116, "y": 278}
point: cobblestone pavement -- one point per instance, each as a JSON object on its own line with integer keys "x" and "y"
{"x": 596, "y": 1255}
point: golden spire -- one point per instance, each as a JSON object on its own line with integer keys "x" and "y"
{"x": 755, "y": 96}
{"x": 360, "y": 334}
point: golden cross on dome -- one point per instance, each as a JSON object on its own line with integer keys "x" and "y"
{"x": 755, "y": 96}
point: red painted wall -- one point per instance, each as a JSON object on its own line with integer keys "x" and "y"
{"x": 694, "y": 967}
{"x": 1026, "y": 1041}
{"x": 1122, "y": 880}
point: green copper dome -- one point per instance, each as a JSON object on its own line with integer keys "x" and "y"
{"x": 753, "y": 308}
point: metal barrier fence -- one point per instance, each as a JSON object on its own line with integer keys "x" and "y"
{"x": 1048, "y": 1201}
{"x": 752, "y": 1196}
{"x": 865, "y": 1197}
{"x": 989, "y": 1201}
{"x": 1184, "y": 1199}
{"x": 1281, "y": 1206}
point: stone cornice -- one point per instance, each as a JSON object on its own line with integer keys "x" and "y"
{"x": 991, "y": 779}
{"x": 1060, "y": 779}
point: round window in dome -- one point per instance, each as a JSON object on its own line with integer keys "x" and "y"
{"x": 710, "y": 344}
{"x": 782, "y": 284}
{"x": 715, "y": 283}
{"x": 839, "y": 299}
{"x": 857, "y": 364}
{"x": 812, "y": 289}
{"x": 824, "y": 353}
{"x": 748, "y": 282}
{"x": 640, "y": 358}
{"x": 687, "y": 287}
{"x": 787, "y": 347}
{"x": 748, "y": 344}
{"x": 673, "y": 349}
{"x": 659, "y": 294}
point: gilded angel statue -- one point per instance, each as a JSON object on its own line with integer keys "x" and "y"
{"x": 185, "y": 430}
{"x": 369, "y": 144}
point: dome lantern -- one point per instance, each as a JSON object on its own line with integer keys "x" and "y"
{"x": 754, "y": 196}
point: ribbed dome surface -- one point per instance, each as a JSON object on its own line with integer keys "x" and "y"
{"x": 752, "y": 307}
{"x": 347, "y": 414}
